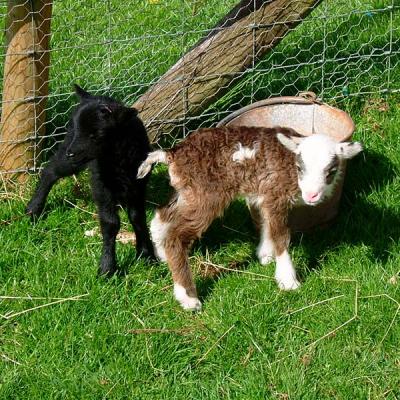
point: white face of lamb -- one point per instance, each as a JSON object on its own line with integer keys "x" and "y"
{"x": 318, "y": 168}
{"x": 318, "y": 163}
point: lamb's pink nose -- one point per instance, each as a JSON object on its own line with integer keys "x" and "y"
{"x": 312, "y": 197}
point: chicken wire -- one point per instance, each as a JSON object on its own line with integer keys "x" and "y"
{"x": 341, "y": 51}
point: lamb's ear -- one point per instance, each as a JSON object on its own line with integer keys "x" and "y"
{"x": 81, "y": 93}
{"x": 348, "y": 150}
{"x": 290, "y": 142}
{"x": 131, "y": 111}
{"x": 125, "y": 113}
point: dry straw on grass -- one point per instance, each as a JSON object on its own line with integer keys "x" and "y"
{"x": 11, "y": 315}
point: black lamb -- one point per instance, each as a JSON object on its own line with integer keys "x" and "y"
{"x": 109, "y": 139}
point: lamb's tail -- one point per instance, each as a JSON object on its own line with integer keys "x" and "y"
{"x": 153, "y": 157}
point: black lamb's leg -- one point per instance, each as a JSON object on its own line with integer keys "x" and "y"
{"x": 109, "y": 225}
{"x": 58, "y": 167}
{"x": 137, "y": 217}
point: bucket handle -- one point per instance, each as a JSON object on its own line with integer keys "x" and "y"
{"x": 311, "y": 96}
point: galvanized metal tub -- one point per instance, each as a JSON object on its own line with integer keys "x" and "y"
{"x": 307, "y": 116}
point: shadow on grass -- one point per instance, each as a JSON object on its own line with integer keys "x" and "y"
{"x": 206, "y": 281}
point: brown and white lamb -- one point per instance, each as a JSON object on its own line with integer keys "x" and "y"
{"x": 272, "y": 168}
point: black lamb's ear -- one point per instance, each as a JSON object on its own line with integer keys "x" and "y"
{"x": 81, "y": 93}
{"x": 125, "y": 113}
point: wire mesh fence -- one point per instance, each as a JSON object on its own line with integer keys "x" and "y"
{"x": 342, "y": 50}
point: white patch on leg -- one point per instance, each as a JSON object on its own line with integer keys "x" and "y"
{"x": 244, "y": 152}
{"x": 187, "y": 302}
{"x": 265, "y": 250}
{"x": 159, "y": 230}
{"x": 285, "y": 274}
{"x": 254, "y": 201}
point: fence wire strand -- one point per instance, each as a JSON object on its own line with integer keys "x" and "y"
{"x": 343, "y": 50}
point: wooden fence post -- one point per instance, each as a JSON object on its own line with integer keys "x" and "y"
{"x": 25, "y": 84}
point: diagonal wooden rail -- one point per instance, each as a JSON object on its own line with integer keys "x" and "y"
{"x": 239, "y": 40}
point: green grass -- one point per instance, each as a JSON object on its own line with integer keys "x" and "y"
{"x": 337, "y": 337}
{"x": 250, "y": 341}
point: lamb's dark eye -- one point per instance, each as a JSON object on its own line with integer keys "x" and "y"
{"x": 330, "y": 175}
{"x": 300, "y": 167}
{"x": 299, "y": 170}
{"x": 331, "y": 172}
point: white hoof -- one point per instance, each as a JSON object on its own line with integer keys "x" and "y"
{"x": 265, "y": 258}
{"x": 191, "y": 304}
{"x": 287, "y": 283}
{"x": 187, "y": 302}
{"x": 285, "y": 273}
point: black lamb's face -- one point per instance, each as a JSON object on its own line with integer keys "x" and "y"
{"x": 91, "y": 123}
{"x": 94, "y": 123}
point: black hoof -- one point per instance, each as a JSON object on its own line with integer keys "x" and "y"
{"x": 147, "y": 253}
{"x": 107, "y": 272}
{"x": 33, "y": 211}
